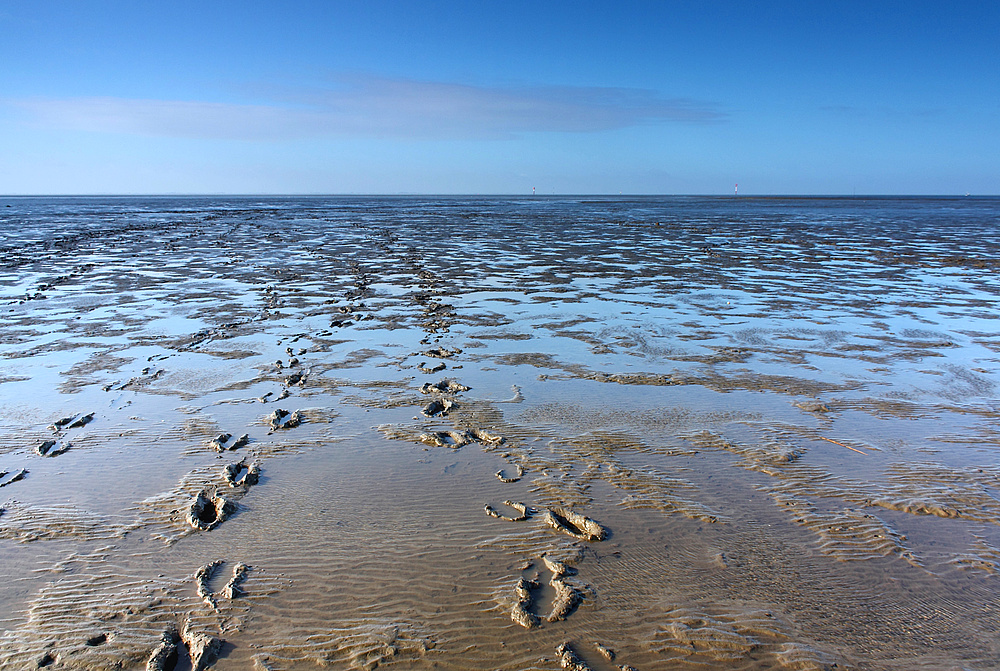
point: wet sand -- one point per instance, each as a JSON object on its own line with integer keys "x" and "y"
{"x": 498, "y": 433}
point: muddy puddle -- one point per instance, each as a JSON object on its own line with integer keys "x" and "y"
{"x": 460, "y": 433}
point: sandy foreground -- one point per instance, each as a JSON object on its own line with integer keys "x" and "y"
{"x": 499, "y": 434}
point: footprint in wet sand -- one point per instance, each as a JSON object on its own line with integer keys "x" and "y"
{"x": 72, "y": 422}
{"x": 297, "y": 378}
{"x": 502, "y": 477}
{"x": 484, "y": 437}
{"x": 96, "y": 640}
{"x": 224, "y": 441}
{"x": 202, "y": 577}
{"x": 606, "y": 652}
{"x": 5, "y": 480}
{"x": 456, "y": 439}
{"x": 575, "y": 524}
{"x": 341, "y": 322}
{"x": 442, "y": 352}
{"x": 435, "y": 368}
{"x": 53, "y": 448}
{"x": 452, "y": 439}
{"x": 165, "y": 655}
{"x": 567, "y": 597}
{"x": 241, "y": 475}
{"x": 282, "y": 419}
{"x": 207, "y": 512}
{"x": 568, "y": 659}
{"x": 521, "y": 612}
{"x": 202, "y": 648}
{"x": 231, "y": 590}
{"x": 438, "y": 408}
{"x": 522, "y": 509}
{"x": 443, "y": 387}
{"x": 564, "y": 601}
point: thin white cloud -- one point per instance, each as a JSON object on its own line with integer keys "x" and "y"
{"x": 170, "y": 118}
{"x": 377, "y": 107}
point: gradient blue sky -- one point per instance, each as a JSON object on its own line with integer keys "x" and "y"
{"x": 499, "y": 97}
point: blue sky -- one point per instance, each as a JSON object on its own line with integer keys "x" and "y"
{"x": 499, "y": 97}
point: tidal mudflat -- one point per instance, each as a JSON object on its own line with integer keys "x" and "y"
{"x": 498, "y": 433}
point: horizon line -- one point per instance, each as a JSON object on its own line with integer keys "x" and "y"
{"x": 403, "y": 194}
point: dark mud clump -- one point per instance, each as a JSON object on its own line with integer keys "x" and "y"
{"x": 564, "y": 601}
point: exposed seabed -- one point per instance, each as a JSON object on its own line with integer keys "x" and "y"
{"x": 499, "y": 434}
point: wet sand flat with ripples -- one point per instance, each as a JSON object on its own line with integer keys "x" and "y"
{"x": 499, "y": 433}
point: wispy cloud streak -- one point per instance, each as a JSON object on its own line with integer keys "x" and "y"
{"x": 378, "y": 107}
